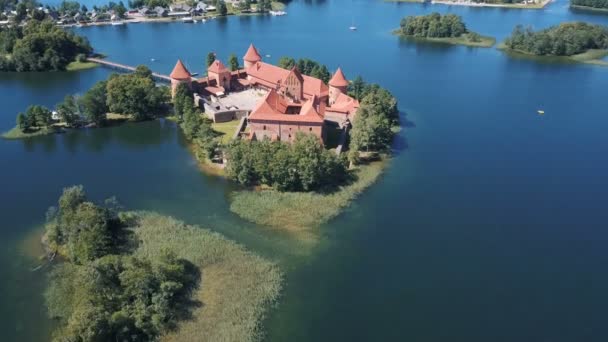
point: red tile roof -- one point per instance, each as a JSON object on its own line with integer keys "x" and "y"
{"x": 180, "y": 72}
{"x": 273, "y": 107}
{"x": 344, "y": 104}
{"x": 217, "y": 67}
{"x": 252, "y": 55}
{"x": 270, "y": 76}
{"x": 338, "y": 80}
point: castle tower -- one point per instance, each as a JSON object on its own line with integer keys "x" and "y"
{"x": 217, "y": 71}
{"x": 178, "y": 76}
{"x": 293, "y": 85}
{"x": 251, "y": 57}
{"x": 337, "y": 85}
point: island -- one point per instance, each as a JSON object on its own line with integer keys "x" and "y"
{"x": 302, "y": 148}
{"x": 590, "y": 5}
{"x": 140, "y": 276}
{"x": 576, "y": 41}
{"x": 522, "y": 4}
{"x": 448, "y": 29}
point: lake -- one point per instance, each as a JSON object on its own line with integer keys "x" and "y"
{"x": 489, "y": 224}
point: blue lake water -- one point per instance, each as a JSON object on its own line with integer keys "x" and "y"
{"x": 489, "y": 225}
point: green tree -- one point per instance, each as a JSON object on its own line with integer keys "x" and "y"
{"x": 210, "y": 58}
{"x": 69, "y": 110}
{"x": 143, "y": 71}
{"x": 94, "y": 103}
{"x": 286, "y": 62}
{"x": 134, "y": 95}
{"x": 22, "y": 122}
{"x": 356, "y": 88}
{"x": 183, "y": 95}
{"x": 221, "y": 7}
{"x": 233, "y": 61}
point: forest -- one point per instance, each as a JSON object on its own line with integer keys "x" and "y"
{"x": 433, "y": 25}
{"x": 39, "y": 46}
{"x": 565, "y": 39}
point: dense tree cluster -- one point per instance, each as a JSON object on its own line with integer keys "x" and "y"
{"x": 135, "y": 94}
{"x": 39, "y": 46}
{"x": 103, "y": 293}
{"x": 376, "y": 119}
{"x": 303, "y": 165}
{"x": 590, "y": 3}
{"x": 565, "y": 39}
{"x": 196, "y": 128}
{"x": 35, "y": 117}
{"x": 433, "y": 25}
{"x": 307, "y": 67}
{"x": 149, "y": 3}
{"x": 220, "y": 7}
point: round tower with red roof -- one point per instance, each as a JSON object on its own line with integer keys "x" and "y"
{"x": 251, "y": 57}
{"x": 178, "y": 76}
{"x": 337, "y": 85}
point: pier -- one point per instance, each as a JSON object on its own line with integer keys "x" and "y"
{"x": 127, "y": 68}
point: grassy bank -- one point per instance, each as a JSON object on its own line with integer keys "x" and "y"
{"x": 237, "y": 286}
{"x": 592, "y": 56}
{"x": 589, "y": 9}
{"x": 226, "y": 129}
{"x": 297, "y": 211}
{"x": 77, "y": 66}
{"x": 484, "y": 41}
{"x": 16, "y": 133}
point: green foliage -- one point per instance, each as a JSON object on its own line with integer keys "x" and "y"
{"x": 264, "y": 5}
{"x": 433, "y": 25}
{"x": 591, "y": 3}
{"x": 69, "y": 110}
{"x": 183, "y": 94}
{"x": 94, "y": 103}
{"x": 375, "y": 119}
{"x": 245, "y": 5}
{"x": 233, "y": 62}
{"x": 307, "y": 67}
{"x": 35, "y": 116}
{"x": 135, "y": 95}
{"x": 303, "y": 165}
{"x": 40, "y": 46}
{"x": 221, "y": 7}
{"x": 286, "y": 62}
{"x": 565, "y": 39}
{"x": 210, "y": 58}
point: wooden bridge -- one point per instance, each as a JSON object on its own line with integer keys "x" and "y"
{"x": 127, "y": 68}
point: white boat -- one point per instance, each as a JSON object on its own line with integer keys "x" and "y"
{"x": 204, "y": 20}
{"x": 353, "y": 28}
{"x": 279, "y": 13}
{"x": 117, "y": 23}
{"x": 187, "y": 20}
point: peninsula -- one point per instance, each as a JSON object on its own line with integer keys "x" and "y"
{"x": 140, "y": 276}
{"x": 449, "y": 29}
{"x": 576, "y": 41}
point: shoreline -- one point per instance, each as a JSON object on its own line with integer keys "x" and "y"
{"x": 475, "y": 4}
{"x": 589, "y": 9}
{"x": 485, "y": 41}
{"x": 591, "y": 56}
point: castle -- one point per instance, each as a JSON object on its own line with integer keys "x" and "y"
{"x": 293, "y": 102}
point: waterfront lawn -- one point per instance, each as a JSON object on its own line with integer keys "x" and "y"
{"x": 225, "y": 129}
{"x": 16, "y": 133}
{"x": 298, "y": 211}
{"x": 237, "y": 286}
{"x": 77, "y": 66}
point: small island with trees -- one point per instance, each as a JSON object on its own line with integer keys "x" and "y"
{"x": 138, "y": 276}
{"x": 576, "y": 41}
{"x": 448, "y": 28}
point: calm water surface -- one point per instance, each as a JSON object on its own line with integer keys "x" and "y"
{"x": 490, "y": 224}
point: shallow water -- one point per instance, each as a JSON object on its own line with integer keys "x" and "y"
{"x": 488, "y": 226}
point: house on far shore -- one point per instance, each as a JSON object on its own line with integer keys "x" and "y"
{"x": 161, "y": 12}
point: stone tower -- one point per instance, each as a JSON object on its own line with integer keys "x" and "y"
{"x": 217, "y": 71}
{"x": 337, "y": 85}
{"x": 251, "y": 57}
{"x": 178, "y": 76}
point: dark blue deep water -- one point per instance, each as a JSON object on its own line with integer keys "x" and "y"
{"x": 489, "y": 225}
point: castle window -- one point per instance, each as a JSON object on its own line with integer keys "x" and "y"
{"x": 264, "y": 127}
{"x": 310, "y": 129}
